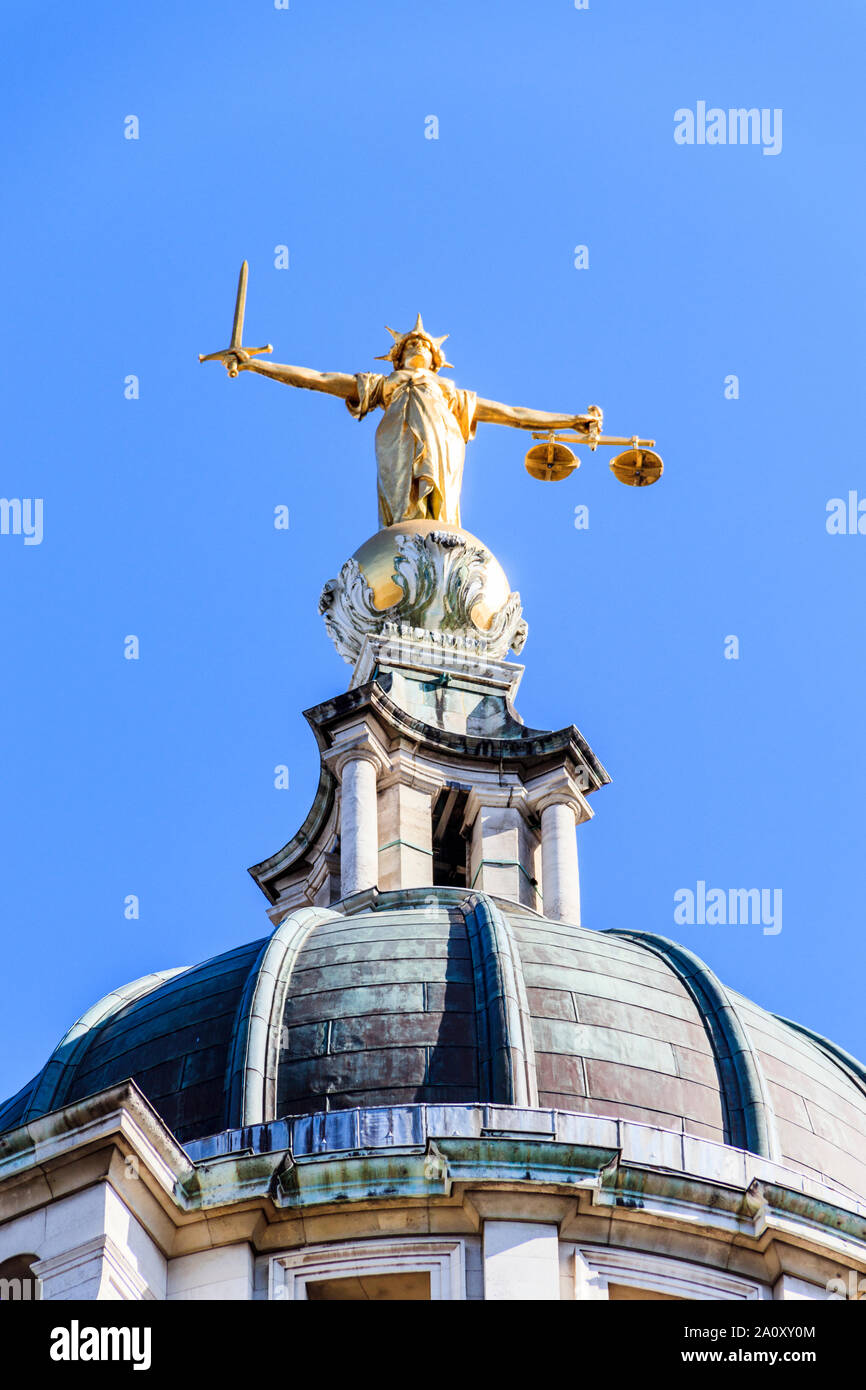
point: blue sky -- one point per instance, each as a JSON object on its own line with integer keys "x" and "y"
{"x": 305, "y": 128}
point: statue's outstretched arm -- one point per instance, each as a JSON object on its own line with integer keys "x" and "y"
{"x": 334, "y": 383}
{"x": 519, "y": 417}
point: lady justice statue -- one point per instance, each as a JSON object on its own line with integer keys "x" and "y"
{"x": 427, "y": 420}
{"x": 422, "y": 573}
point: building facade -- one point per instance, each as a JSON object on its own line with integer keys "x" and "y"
{"x": 427, "y": 1079}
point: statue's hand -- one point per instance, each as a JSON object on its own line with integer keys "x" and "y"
{"x": 235, "y": 361}
{"x": 591, "y": 422}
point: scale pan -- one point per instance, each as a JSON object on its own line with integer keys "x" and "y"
{"x": 550, "y": 463}
{"x": 637, "y": 467}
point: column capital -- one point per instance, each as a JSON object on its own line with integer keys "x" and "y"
{"x": 558, "y": 787}
{"x": 357, "y": 745}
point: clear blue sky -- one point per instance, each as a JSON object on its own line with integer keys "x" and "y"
{"x": 305, "y": 127}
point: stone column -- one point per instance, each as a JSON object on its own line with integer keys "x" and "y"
{"x": 359, "y": 824}
{"x": 560, "y": 883}
{"x": 357, "y": 757}
{"x": 558, "y": 799}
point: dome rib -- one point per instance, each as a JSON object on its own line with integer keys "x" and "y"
{"x": 52, "y": 1084}
{"x": 251, "y": 1078}
{"x": 506, "y": 1052}
{"x": 853, "y": 1069}
{"x": 749, "y": 1116}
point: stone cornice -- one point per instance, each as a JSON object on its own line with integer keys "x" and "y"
{"x": 534, "y": 748}
{"x": 508, "y": 793}
{"x": 395, "y": 651}
{"x": 278, "y": 1173}
{"x": 530, "y": 755}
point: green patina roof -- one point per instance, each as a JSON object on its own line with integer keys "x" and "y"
{"x": 438, "y": 996}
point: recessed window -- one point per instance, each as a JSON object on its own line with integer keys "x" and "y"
{"x": 449, "y": 841}
{"x": 626, "y": 1293}
{"x": 413, "y": 1270}
{"x": 411, "y": 1287}
{"x": 637, "y": 1275}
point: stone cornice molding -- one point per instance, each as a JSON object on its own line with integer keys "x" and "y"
{"x": 420, "y": 655}
{"x": 508, "y": 794}
{"x": 533, "y": 745}
{"x": 250, "y": 1181}
{"x": 460, "y": 757}
{"x": 410, "y": 769}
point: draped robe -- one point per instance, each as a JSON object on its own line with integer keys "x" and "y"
{"x": 420, "y": 442}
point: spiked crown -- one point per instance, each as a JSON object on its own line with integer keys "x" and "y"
{"x": 417, "y": 331}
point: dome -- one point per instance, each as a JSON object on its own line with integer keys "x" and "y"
{"x": 442, "y": 996}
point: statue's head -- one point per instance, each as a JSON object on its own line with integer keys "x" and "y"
{"x": 416, "y": 349}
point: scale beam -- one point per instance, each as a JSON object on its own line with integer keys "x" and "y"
{"x": 552, "y": 461}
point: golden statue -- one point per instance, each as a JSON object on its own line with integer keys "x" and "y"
{"x": 428, "y": 421}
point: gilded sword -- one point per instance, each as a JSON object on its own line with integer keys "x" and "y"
{"x": 237, "y": 330}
